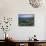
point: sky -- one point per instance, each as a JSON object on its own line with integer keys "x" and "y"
{"x": 26, "y": 15}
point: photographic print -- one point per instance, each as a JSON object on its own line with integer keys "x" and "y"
{"x": 26, "y": 19}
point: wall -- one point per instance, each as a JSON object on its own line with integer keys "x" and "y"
{"x": 11, "y": 8}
